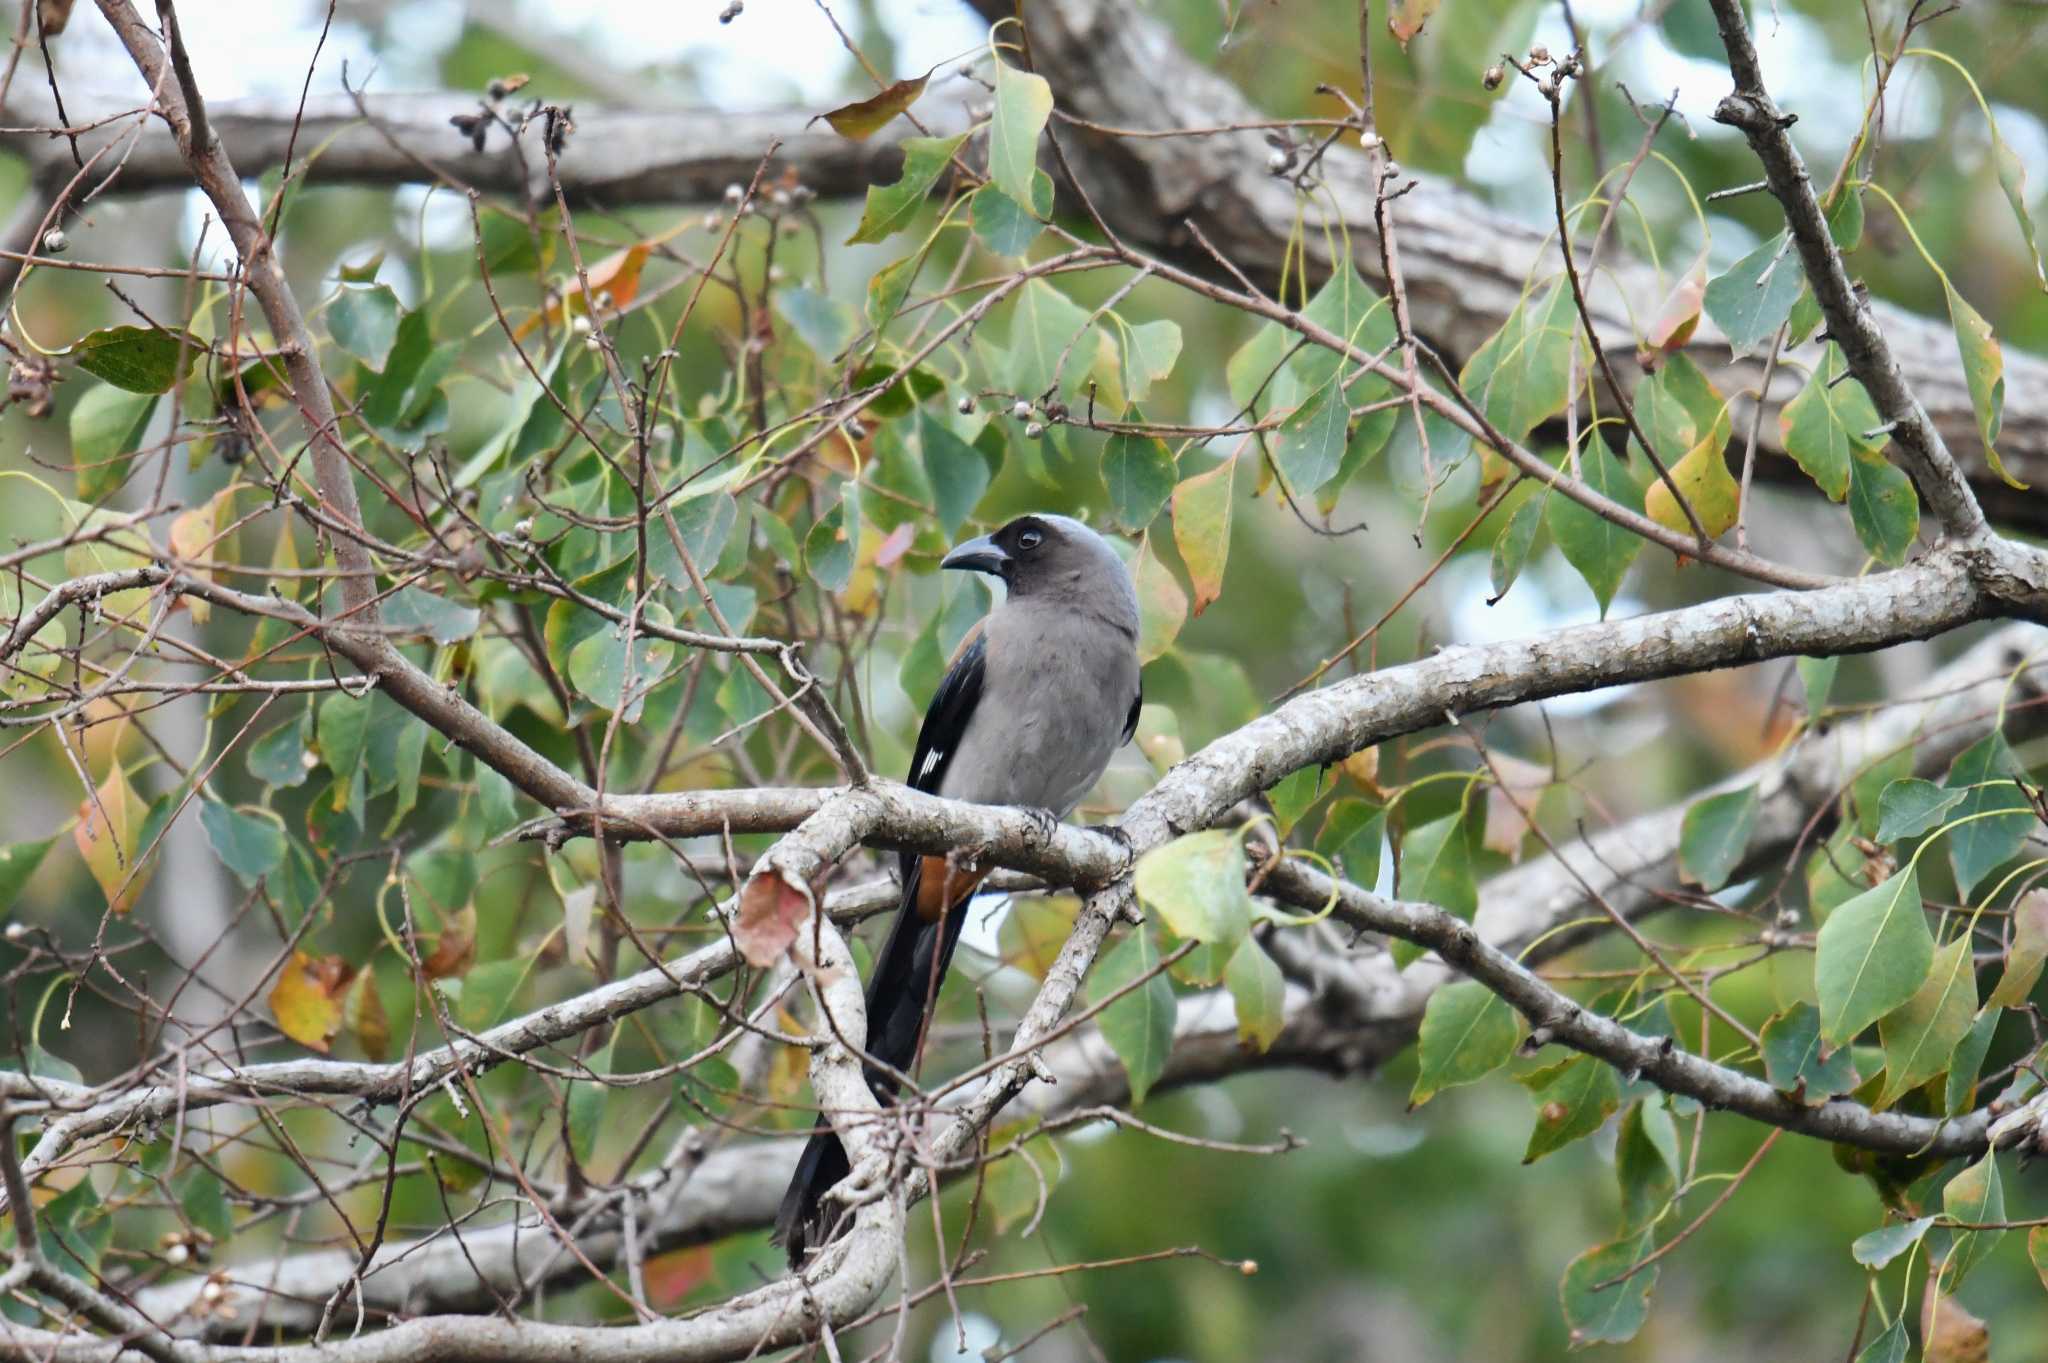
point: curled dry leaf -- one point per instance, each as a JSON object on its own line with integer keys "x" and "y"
{"x": 1949, "y": 1333}
{"x": 1407, "y": 17}
{"x": 864, "y": 118}
{"x": 614, "y": 282}
{"x": 109, "y": 836}
{"x": 455, "y": 950}
{"x": 771, "y": 911}
{"x": 1676, "y": 319}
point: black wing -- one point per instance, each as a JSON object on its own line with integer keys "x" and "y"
{"x": 945, "y": 720}
{"x": 1131, "y": 720}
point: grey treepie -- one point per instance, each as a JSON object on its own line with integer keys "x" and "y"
{"x": 1039, "y": 696}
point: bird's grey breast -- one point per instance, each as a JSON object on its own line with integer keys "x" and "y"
{"x": 1058, "y": 686}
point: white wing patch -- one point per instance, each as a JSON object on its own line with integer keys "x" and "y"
{"x": 931, "y": 763}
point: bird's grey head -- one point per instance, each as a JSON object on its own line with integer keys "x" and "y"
{"x": 1054, "y": 559}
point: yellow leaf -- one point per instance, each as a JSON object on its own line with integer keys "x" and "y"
{"x": 864, "y": 118}
{"x": 193, "y": 541}
{"x": 1201, "y": 529}
{"x": 108, "y": 832}
{"x": 104, "y": 729}
{"x": 306, "y": 1001}
{"x": 364, "y": 1012}
{"x": 1363, "y": 767}
{"x": 1702, "y": 475}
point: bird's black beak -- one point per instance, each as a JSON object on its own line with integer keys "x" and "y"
{"x": 979, "y": 555}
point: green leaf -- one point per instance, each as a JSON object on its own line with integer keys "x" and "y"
{"x": 1827, "y": 423}
{"x": 204, "y": 1202}
{"x": 18, "y": 861}
{"x": 249, "y": 844}
{"x": 1817, "y": 680}
{"x": 106, "y": 430}
{"x": 1259, "y": 993}
{"x": 1992, "y": 819}
{"x": 1794, "y": 1061}
{"x": 587, "y": 1102}
{"x": 704, "y": 524}
{"x": 1258, "y": 376}
{"x": 1467, "y": 1033}
{"x": 830, "y": 545}
{"x": 1877, "y": 1248}
{"x": 413, "y": 610}
{"x": 1520, "y": 377}
{"x": 1353, "y": 834}
{"x": 890, "y": 208}
{"x": 1295, "y": 794}
{"x": 1984, "y": 371}
{"x": 1311, "y": 442}
{"x": 824, "y": 323}
{"x": 2023, "y": 959}
{"x": 487, "y": 990}
{"x": 1195, "y": 886}
{"x": 1044, "y": 323}
{"x": 1752, "y": 300}
{"x": 342, "y": 730}
{"x": 1345, "y": 306}
{"x": 1600, "y": 550}
{"x": 1964, "y": 1066}
{"x": 1614, "y": 1314}
{"x": 864, "y": 118}
{"x": 1148, "y": 353}
{"x": 958, "y": 473}
{"x": 1974, "y": 1196}
{"x": 364, "y": 322}
{"x": 1005, "y": 226}
{"x": 1714, "y": 836}
{"x": 1921, "y": 1035}
{"x": 138, "y": 359}
{"x": 1891, "y": 1345}
{"x": 1873, "y": 953}
{"x": 1023, "y": 104}
{"x": 1511, "y": 546}
{"x": 609, "y": 675}
{"x": 1883, "y": 507}
{"x": 1138, "y": 471}
{"x": 1572, "y": 1101}
{"x": 1435, "y": 865}
{"x": 1138, "y": 1026}
{"x": 75, "y": 1231}
{"x": 1645, "y": 1162}
{"x": 1910, "y": 806}
{"x": 888, "y": 287}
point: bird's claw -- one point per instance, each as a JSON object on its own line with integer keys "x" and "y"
{"x": 1043, "y": 822}
{"x": 1115, "y": 832}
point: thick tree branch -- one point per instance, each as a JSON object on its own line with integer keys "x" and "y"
{"x": 1464, "y": 262}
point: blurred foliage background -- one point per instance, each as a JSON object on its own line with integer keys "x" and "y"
{"x": 1417, "y": 1236}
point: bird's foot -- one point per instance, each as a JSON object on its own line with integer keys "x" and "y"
{"x": 1115, "y": 832}
{"x": 1043, "y": 822}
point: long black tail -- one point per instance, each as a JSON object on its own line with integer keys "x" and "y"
{"x": 901, "y": 991}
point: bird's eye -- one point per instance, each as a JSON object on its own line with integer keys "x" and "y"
{"x": 1029, "y": 539}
